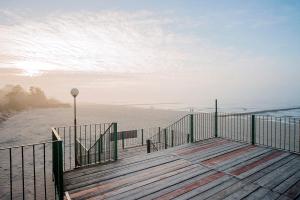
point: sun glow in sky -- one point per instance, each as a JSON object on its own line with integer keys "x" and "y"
{"x": 214, "y": 48}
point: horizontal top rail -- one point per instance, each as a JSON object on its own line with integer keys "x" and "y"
{"x": 27, "y": 145}
{"x": 78, "y": 125}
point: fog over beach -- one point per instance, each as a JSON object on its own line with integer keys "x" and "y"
{"x": 14, "y": 98}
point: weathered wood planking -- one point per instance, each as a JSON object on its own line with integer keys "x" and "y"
{"x": 210, "y": 169}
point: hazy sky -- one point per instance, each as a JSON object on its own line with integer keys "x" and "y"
{"x": 245, "y": 52}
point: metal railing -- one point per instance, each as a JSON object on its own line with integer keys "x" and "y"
{"x": 177, "y": 133}
{"x": 32, "y": 171}
{"x": 276, "y": 132}
{"x": 235, "y": 126}
{"x": 83, "y": 150}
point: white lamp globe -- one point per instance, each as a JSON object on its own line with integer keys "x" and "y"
{"x": 74, "y": 92}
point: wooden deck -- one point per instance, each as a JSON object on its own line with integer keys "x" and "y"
{"x": 211, "y": 169}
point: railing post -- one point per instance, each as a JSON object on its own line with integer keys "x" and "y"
{"x": 123, "y": 146}
{"x": 172, "y": 138}
{"x": 192, "y": 128}
{"x": 101, "y": 144}
{"x": 148, "y": 146}
{"x": 166, "y": 139}
{"x": 158, "y": 134}
{"x": 57, "y": 163}
{"x": 142, "y": 137}
{"x": 216, "y": 118}
{"x": 60, "y": 170}
{"x": 115, "y": 127}
{"x": 253, "y": 129}
{"x": 75, "y": 147}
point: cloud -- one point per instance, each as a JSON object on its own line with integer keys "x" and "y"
{"x": 109, "y": 41}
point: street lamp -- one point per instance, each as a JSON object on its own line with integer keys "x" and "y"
{"x": 74, "y": 93}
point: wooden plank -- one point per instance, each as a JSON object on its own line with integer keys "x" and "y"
{"x": 216, "y": 149}
{"x": 90, "y": 180}
{"x": 114, "y": 165}
{"x": 243, "y": 192}
{"x": 282, "y": 197}
{"x": 171, "y": 188}
{"x": 284, "y": 186}
{"x": 141, "y": 192}
{"x": 242, "y": 159}
{"x": 145, "y": 182}
{"x": 294, "y": 191}
{"x": 262, "y": 193}
{"x": 198, "y": 149}
{"x": 111, "y": 168}
{"x": 203, "y": 188}
{"x": 227, "y": 156}
{"x": 248, "y": 169}
{"x": 112, "y": 184}
{"x": 216, "y": 189}
{"x": 207, "y": 154}
{"x": 108, "y": 172}
{"x": 192, "y": 186}
{"x": 279, "y": 175}
{"x": 227, "y": 191}
{"x": 264, "y": 171}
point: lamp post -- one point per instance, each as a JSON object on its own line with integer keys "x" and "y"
{"x": 74, "y": 93}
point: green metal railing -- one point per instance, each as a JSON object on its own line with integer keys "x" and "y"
{"x": 57, "y": 159}
{"x": 276, "y": 132}
{"x": 103, "y": 150}
{"x": 83, "y": 150}
{"x": 188, "y": 129}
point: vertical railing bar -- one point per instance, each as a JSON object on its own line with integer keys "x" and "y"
{"x": 34, "y": 177}
{"x": 275, "y": 132}
{"x": 284, "y": 132}
{"x": 294, "y": 134}
{"x": 23, "y": 185}
{"x": 232, "y": 126}
{"x": 100, "y": 144}
{"x": 64, "y": 148}
{"x": 104, "y": 145}
{"x": 10, "y": 174}
{"x": 225, "y": 125}
{"x": 85, "y": 143}
{"x": 90, "y": 136}
{"x": 142, "y": 137}
{"x": 80, "y": 149}
{"x": 45, "y": 182}
{"x": 239, "y": 127}
{"x": 95, "y": 134}
{"x": 70, "y": 147}
{"x": 289, "y": 134}
{"x": 263, "y": 130}
{"x": 271, "y": 131}
{"x": 259, "y": 129}
{"x": 280, "y": 132}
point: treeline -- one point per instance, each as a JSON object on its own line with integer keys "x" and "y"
{"x": 16, "y": 98}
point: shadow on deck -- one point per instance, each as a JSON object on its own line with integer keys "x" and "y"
{"x": 210, "y": 169}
